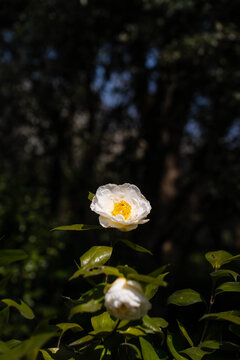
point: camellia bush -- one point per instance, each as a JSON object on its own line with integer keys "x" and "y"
{"x": 112, "y": 319}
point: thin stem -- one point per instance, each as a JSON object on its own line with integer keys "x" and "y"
{"x": 116, "y": 326}
{"x": 59, "y": 341}
{"x": 207, "y": 321}
{"x": 211, "y": 302}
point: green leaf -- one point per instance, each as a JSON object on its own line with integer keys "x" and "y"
{"x": 90, "y": 195}
{"x": 10, "y": 256}
{"x": 232, "y": 259}
{"x": 95, "y": 256}
{"x": 23, "y": 308}
{"x": 135, "y": 331}
{"x": 211, "y": 344}
{"x": 148, "y": 351}
{"x": 78, "y": 227}
{"x": 107, "y": 270}
{"x": 196, "y": 353}
{"x": 184, "y": 297}
{"x": 158, "y": 281}
{"x": 232, "y": 316}
{"x": 91, "y": 306}
{"x": 230, "y": 346}
{"x": 96, "y": 293}
{"x": 101, "y": 332}
{"x": 135, "y": 247}
{"x": 224, "y": 273}
{"x": 123, "y": 323}
{"x": 185, "y": 333}
{"x": 61, "y": 353}
{"x": 218, "y": 258}
{"x": 228, "y": 287}
{"x": 159, "y": 270}
{"x": 155, "y": 323}
{"x": 103, "y": 351}
{"x": 102, "y": 322}
{"x": 27, "y": 348}
{"x": 3, "y": 347}
{"x": 235, "y": 329}
{"x": 135, "y": 348}
{"x": 12, "y": 343}
{"x": 46, "y": 355}
{"x": 82, "y": 340}
{"x": 8, "y": 345}
{"x": 151, "y": 289}
{"x": 126, "y": 270}
{"x": 172, "y": 348}
{"x": 67, "y": 326}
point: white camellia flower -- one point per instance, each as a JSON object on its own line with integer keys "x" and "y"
{"x": 120, "y": 206}
{"x": 125, "y": 300}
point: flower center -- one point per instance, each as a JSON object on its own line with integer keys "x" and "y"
{"x": 122, "y": 208}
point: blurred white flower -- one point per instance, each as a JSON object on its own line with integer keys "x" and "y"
{"x": 120, "y": 206}
{"x": 125, "y": 299}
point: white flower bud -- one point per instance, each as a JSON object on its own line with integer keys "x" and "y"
{"x": 125, "y": 299}
{"x": 120, "y": 206}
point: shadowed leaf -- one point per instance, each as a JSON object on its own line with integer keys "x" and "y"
{"x": 151, "y": 288}
{"x": 27, "y": 348}
{"x": 225, "y": 273}
{"x": 135, "y": 247}
{"x": 185, "y": 333}
{"x": 184, "y": 297}
{"x": 149, "y": 279}
{"x": 135, "y": 348}
{"x": 82, "y": 340}
{"x": 196, "y": 353}
{"x": 78, "y": 227}
{"x": 211, "y": 344}
{"x": 232, "y": 316}
{"x": 173, "y": 350}
{"x": 228, "y": 287}
{"x": 10, "y": 256}
{"x": 235, "y": 329}
{"x": 4, "y": 316}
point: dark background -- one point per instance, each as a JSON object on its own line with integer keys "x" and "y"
{"x": 96, "y": 92}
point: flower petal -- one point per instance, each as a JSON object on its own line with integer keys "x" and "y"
{"x": 107, "y": 196}
{"x": 107, "y": 222}
{"x": 125, "y": 299}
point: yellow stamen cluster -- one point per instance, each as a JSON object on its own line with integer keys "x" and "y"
{"x": 122, "y": 208}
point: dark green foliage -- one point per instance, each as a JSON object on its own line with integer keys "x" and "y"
{"x": 107, "y": 337}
